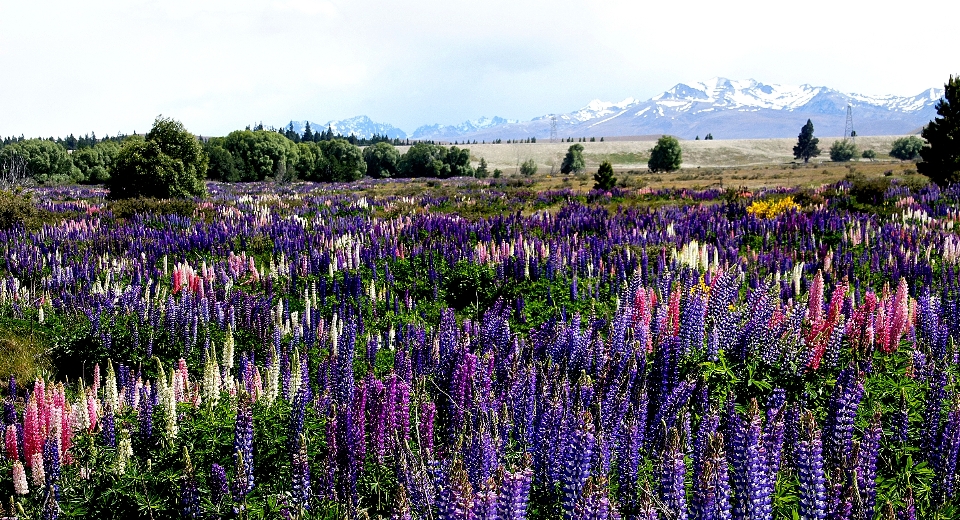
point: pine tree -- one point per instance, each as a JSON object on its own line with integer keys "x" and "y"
{"x": 941, "y": 154}
{"x": 307, "y": 133}
{"x": 604, "y": 179}
{"x": 806, "y": 143}
{"x": 666, "y": 155}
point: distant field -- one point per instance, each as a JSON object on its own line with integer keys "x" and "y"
{"x": 735, "y": 162}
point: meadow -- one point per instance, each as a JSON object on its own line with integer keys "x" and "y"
{"x": 484, "y": 349}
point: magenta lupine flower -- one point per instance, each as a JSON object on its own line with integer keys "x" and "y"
{"x": 428, "y": 412}
{"x": 10, "y": 443}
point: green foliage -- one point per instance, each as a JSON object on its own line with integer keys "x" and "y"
{"x": 47, "y": 161}
{"x": 223, "y": 167}
{"x": 666, "y": 155}
{"x": 941, "y": 155}
{"x": 141, "y": 206}
{"x": 573, "y": 161}
{"x": 482, "y": 172}
{"x": 528, "y": 168}
{"x": 94, "y": 163}
{"x": 868, "y": 192}
{"x": 842, "y": 151}
{"x": 497, "y": 173}
{"x": 18, "y": 209}
{"x": 869, "y": 154}
{"x": 382, "y": 159}
{"x": 342, "y": 161}
{"x": 806, "y": 147}
{"x": 256, "y": 153}
{"x": 431, "y": 160}
{"x": 906, "y": 148}
{"x": 604, "y": 179}
{"x": 169, "y": 162}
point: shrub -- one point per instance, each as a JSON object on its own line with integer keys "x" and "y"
{"x": 573, "y": 162}
{"x": 666, "y": 155}
{"x": 604, "y": 179}
{"x": 18, "y": 209}
{"x": 906, "y": 148}
{"x": 169, "y": 162}
{"x": 528, "y": 167}
{"x": 869, "y": 154}
{"x": 842, "y": 151}
{"x": 128, "y": 208}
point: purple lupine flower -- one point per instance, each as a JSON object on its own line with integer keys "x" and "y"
{"x": 809, "y": 462}
{"x": 297, "y": 415}
{"x": 909, "y": 510}
{"x": 189, "y": 497}
{"x": 900, "y": 422}
{"x": 711, "y": 494}
{"x": 595, "y": 504}
{"x": 514, "y": 495}
{"x": 867, "y": 467}
{"x": 841, "y": 412}
{"x": 672, "y": 474}
{"x": 428, "y": 412}
{"x": 485, "y": 502}
{"x": 145, "y": 414}
{"x": 51, "y": 464}
{"x": 243, "y": 449}
{"x": 932, "y": 415}
{"x": 300, "y": 469}
{"x": 577, "y": 458}
{"x": 219, "y": 491}
{"x": 454, "y": 494}
{"x": 327, "y": 489}
{"x": 108, "y": 434}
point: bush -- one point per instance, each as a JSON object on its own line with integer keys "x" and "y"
{"x": 604, "y": 179}
{"x": 573, "y": 162}
{"x": 128, "y": 208}
{"x": 528, "y": 168}
{"x": 381, "y": 159}
{"x": 842, "y": 151}
{"x": 906, "y": 148}
{"x": 868, "y": 191}
{"x": 17, "y": 209}
{"x": 869, "y": 154}
{"x": 94, "y": 163}
{"x": 666, "y": 155}
{"x": 169, "y": 162}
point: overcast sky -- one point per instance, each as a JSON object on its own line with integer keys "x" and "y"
{"x": 217, "y": 65}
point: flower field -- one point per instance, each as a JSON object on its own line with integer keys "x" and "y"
{"x": 487, "y": 352}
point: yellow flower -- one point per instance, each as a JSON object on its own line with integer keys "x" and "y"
{"x": 767, "y": 209}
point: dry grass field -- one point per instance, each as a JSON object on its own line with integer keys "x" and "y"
{"x": 736, "y": 162}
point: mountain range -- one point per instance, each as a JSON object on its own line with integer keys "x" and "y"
{"x": 727, "y": 109}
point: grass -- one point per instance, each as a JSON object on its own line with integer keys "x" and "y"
{"x": 23, "y": 353}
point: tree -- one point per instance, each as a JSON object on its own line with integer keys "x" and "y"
{"x": 168, "y": 162}
{"x": 806, "y": 143}
{"x": 424, "y": 160}
{"x": 869, "y": 154}
{"x": 343, "y": 162}
{"x": 94, "y": 162}
{"x": 459, "y": 161}
{"x": 311, "y": 164}
{"x": 223, "y": 167}
{"x": 47, "y": 161}
{"x": 256, "y": 153}
{"x": 666, "y": 155}
{"x": 941, "y": 154}
{"x": 481, "y": 172}
{"x": 604, "y": 179}
{"x": 573, "y": 161}
{"x": 528, "y": 167}
{"x": 906, "y": 148}
{"x": 842, "y": 150}
{"x": 382, "y": 159}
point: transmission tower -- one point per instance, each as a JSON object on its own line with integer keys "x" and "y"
{"x": 848, "y": 131}
{"x": 553, "y": 129}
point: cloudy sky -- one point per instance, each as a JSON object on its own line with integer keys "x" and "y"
{"x": 113, "y": 65}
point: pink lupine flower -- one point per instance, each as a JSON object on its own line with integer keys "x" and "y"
{"x": 36, "y": 469}
{"x": 10, "y": 442}
{"x": 20, "y": 486}
{"x": 32, "y": 437}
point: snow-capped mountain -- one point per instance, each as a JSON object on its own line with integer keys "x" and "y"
{"x": 436, "y": 132}
{"x": 360, "y": 126}
{"x": 728, "y": 109}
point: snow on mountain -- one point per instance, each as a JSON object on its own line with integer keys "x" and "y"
{"x": 360, "y": 126}
{"x": 437, "y": 131}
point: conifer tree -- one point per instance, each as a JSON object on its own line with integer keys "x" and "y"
{"x": 806, "y": 143}
{"x": 941, "y": 154}
{"x": 604, "y": 179}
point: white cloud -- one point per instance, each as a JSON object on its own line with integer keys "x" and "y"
{"x": 217, "y": 65}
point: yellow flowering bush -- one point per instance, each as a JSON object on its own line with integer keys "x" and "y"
{"x": 770, "y": 209}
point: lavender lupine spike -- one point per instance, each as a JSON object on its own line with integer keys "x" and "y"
{"x": 300, "y": 469}
{"x": 867, "y": 467}
{"x": 810, "y": 471}
{"x": 711, "y": 495}
{"x": 577, "y": 459}
{"x": 595, "y": 503}
{"x": 672, "y": 474}
{"x": 454, "y": 496}
{"x": 243, "y": 448}
{"x": 219, "y": 489}
{"x": 842, "y": 410}
{"x": 515, "y": 494}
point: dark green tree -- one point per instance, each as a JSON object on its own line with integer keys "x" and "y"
{"x": 941, "y": 154}
{"x": 906, "y": 148}
{"x": 604, "y": 179}
{"x": 382, "y": 160}
{"x": 482, "y": 171}
{"x": 666, "y": 155}
{"x": 343, "y": 162}
{"x": 573, "y": 161}
{"x": 307, "y": 133}
{"x": 223, "y": 167}
{"x": 47, "y": 161}
{"x": 424, "y": 160}
{"x": 842, "y": 150}
{"x": 95, "y": 162}
{"x": 869, "y": 154}
{"x": 256, "y": 153}
{"x": 528, "y": 168}
{"x": 168, "y": 162}
{"x": 806, "y": 143}
{"x": 458, "y": 159}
